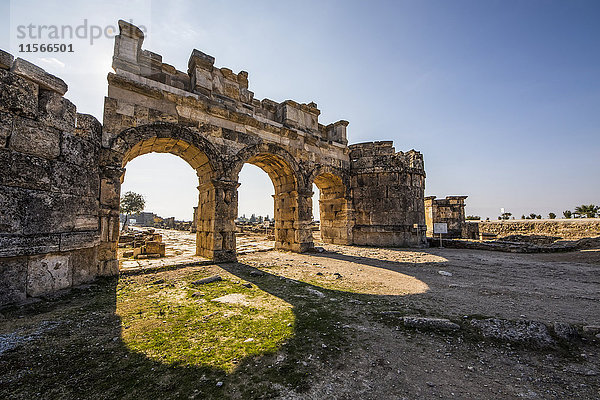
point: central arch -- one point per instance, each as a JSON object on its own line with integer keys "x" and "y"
{"x": 292, "y": 206}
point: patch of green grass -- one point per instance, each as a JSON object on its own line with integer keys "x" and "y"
{"x": 179, "y": 323}
{"x": 110, "y": 341}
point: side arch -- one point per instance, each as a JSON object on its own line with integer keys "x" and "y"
{"x": 215, "y": 234}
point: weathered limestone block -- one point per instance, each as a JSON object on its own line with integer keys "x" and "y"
{"x": 36, "y": 74}
{"x": 128, "y": 47}
{"x": 337, "y": 132}
{"x": 79, "y": 240}
{"x": 6, "y": 126}
{"x": 56, "y": 111}
{"x": 200, "y": 68}
{"x": 154, "y": 247}
{"x": 298, "y": 116}
{"x": 18, "y": 95}
{"x": 13, "y": 280}
{"x": 11, "y": 213}
{"x": 35, "y": 138}
{"x": 19, "y": 245}
{"x": 79, "y": 151}
{"x": 48, "y": 273}
{"x": 88, "y": 128}
{"x": 6, "y": 59}
{"x": 34, "y": 212}
{"x": 75, "y": 179}
{"x": 84, "y": 264}
{"x": 110, "y": 186}
{"x": 24, "y": 170}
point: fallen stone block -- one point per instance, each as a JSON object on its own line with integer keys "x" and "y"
{"x": 565, "y": 331}
{"x": 430, "y": 323}
{"x": 153, "y": 247}
{"x": 526, "y": 332}
{"x": 210, "y": 279}
{"x": 36, "y": 74}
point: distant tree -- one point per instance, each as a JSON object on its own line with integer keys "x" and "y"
{"x": 588, "y": 211}
{"x": 523, "y": 216}
{"x": 538, "y": 216}
{"x": 551, "y": 215}
{"x": 267, "y": 218}
{"x": 505, "y": 216}
{"x": 253, "y": 218}
{"x": 533, "y": 216}
{"x": 487, "y": 219}
{"x": 567, "y": 214}
{"x": 260, "y": 219}
{"x": 473, "y": 217}
{"x": 131, "y": 203}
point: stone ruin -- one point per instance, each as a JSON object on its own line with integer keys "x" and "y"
{"x": 62, "y": 171}
{"x": 144, "y": 244}
{"x": 451, "y": 211}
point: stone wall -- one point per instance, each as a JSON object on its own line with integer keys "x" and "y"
{"x": 564, "y": 228}
{"x": 450, "y": 210}
{"x": 387, "y": 195}
{"x": 49, "y": 184}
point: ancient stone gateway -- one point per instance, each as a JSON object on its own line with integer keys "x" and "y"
{"x": 369, "y": 193}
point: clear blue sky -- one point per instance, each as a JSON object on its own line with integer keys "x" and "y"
{"x": 501, "y": 97}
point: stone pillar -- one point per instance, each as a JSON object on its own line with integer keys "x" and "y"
{"x": 110, "y": 196}
{"x": 215, "y": 224}
{"x": 293, "y": 210}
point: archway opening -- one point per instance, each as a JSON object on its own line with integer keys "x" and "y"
{"x": 316, "y": 215}
{"x": 288, "y": 223}
{"x": 334, "y": 209}
{"x": 179, "y": 203}
{"x": 255, "y": 223}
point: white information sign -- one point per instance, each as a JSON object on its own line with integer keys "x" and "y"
{"x": 440, "y": 227}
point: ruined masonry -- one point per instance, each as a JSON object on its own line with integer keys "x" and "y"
{"x": 450, "y": 211}
{"x": 62, "y": 171}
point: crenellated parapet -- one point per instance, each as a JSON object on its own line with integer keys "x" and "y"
{"x": 381, "y": 155}
{"x": 219, "y": 86}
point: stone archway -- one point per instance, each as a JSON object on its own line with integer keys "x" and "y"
{"x": 212, "y": 240}
{"x": 292, "y": 199}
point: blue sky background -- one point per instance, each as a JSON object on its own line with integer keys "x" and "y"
{"x": 501, "y": 97}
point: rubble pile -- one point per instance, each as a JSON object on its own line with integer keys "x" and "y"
{"x": 144, "y": 244}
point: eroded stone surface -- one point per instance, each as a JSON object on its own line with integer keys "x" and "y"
{"x": 47, "y": 274}
{"x": 38, "y": 75}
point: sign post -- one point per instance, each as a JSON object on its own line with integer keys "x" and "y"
{"x": 440, "y": 227}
